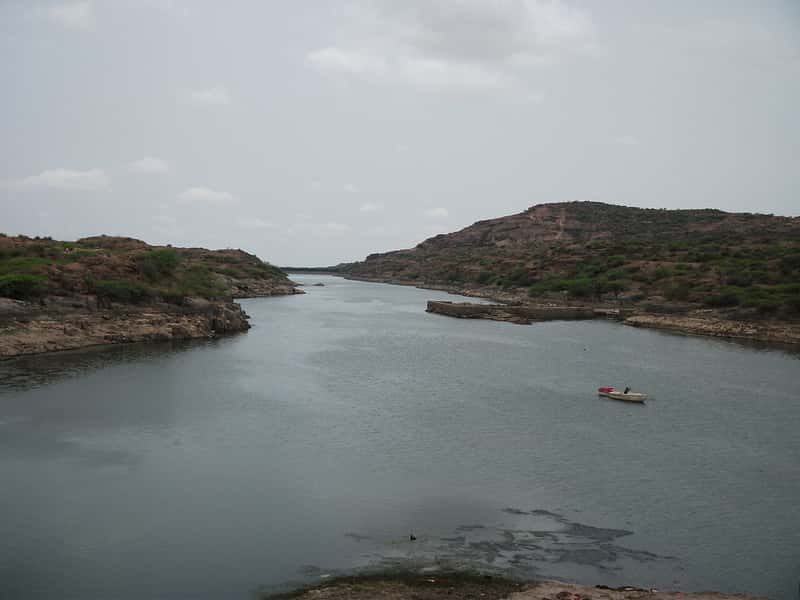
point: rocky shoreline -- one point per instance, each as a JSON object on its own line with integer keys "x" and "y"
{"x": 509, "y": 307}
{"x": 520, "y": 314}
{"x": 455, "y": 586}
{"x": 766, "y": 332}
{"x": 39, "y": 332}
{"x": 27, "y": 328}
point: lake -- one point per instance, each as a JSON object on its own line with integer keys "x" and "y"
{"x": 348, "y": 419}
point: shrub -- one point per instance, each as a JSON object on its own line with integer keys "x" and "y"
{"x": 616, "y": 260}
{"x": 723, "y": 299}
{"x": 521, "y": 277}
{"x": 22, "y": 265}
{"x": 678, "y": 291}
{"x": 172, "y": 296}
{"x": 662, "y": 273}
{"x": 199, "y": 281}
{"x": 614, "y": 286}
{"x": 228, "y": 271}
{"x": 484, "y": 277}
{"x": 767, "y": 306}
{"x": 158, "y": 263}
{"x": 581, "y": 288}
{"x": 21, "y": 286}
{"x": 119, "y": 290}
{"x": 789, "y": 263}
{"x": 793, "y": 305}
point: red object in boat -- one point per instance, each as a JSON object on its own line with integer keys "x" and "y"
{"x": 605, "y": 390}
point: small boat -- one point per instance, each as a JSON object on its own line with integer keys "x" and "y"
{"x": 615, "y": 394}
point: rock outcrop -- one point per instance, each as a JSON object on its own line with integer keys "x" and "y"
{"x": 103, "y": 290}
{"x": 520, "y": 314}
{"x": 763, "y": 331}
{"x": 48, "y": 332}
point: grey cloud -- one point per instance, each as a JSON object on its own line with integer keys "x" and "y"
{"x": 149, "y": 165}
{"x": 75, "y": 15}
{"x": 256, "y": 120}
{"x": 67, "y": 179}
{"x": 214, "y": 96}
{"x": 206, "y": 195}
{"x": 437, "y": 213}
{"x": 253, "y": 223}
{"x": 466, "y": 45}
{"x": 626, "y": 140}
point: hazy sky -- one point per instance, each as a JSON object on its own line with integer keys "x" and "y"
{"x": 315, "y": 132}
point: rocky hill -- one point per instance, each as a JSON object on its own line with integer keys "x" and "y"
{"x": 57, "y": 295}
{"x": 738, "y": 265}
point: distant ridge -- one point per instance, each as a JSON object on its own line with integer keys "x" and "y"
{"x": 591, "y": 251}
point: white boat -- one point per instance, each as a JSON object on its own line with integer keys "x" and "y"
{"x": 627, "y": 396}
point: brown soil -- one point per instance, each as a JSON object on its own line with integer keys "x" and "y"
{"x": 455, "y": 586}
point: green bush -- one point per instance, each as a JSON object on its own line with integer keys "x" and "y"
{"x": 581, "y": 288}
{"x": 765, "y": 306}
{"x": 21, "y": 286}
{"x": 173, "y": 296}
{"x": 120, "y": 290}
{"x": 662, "y": 273}
{"x": 677, "y": 291}
{"x": 229, "y": 272}
{"x": 22, "y": 265}
{"x": 158, "y": 263}
{"x": 615, "y": 261}
{"x": 199, "y": 281}
{"x": 790, "y": 263}
{"x": 793, "y": 305}
{"x": 614, "y": 286}
{"x": 616, "y": 274}
{"x": 723, "y": 299}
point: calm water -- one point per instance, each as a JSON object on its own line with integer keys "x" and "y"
{"x": 348, "y": 418}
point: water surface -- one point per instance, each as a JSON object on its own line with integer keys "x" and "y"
{"x": 348, "y": 418}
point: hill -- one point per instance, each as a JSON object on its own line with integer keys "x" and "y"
{"x": 739, "y": 265}
{"x": 126, "y": 270}
{"x": 56, "y": 295}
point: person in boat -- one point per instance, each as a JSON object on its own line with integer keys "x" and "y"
{"x": 627, "y": 389}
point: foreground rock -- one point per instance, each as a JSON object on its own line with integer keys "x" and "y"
{"x": 30, "y": 332}
{"x": 457, "y": 587}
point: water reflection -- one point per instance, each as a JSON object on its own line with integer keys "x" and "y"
{"x": 31, "y": 371}
{"x": 348, "y": 418}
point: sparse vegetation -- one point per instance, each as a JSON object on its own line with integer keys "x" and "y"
{"x": 115, "y": 290}
{"x": 124, "y": 270}
{"x": 587, "y": 251}
{"x": 21, "y": 286}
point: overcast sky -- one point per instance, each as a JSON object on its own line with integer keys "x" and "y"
{"x": 317, "y": 132}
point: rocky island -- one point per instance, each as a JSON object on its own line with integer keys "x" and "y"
{"x": 57, "y": 295}
{"x": 706, "y": 271}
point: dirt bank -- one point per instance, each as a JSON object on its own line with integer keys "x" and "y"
{"x": 456, "y": 587}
